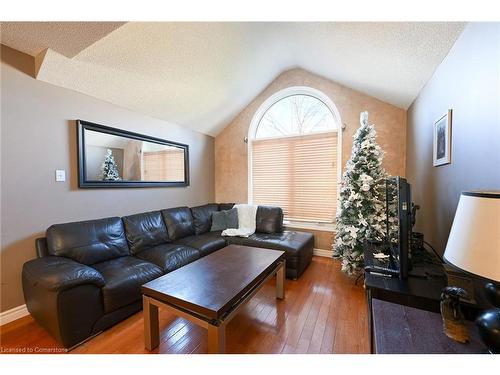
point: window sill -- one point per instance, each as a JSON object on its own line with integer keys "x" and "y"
{"x": 324, "y": 227}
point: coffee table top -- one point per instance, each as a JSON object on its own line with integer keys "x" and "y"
{"x": 210, "y": 286}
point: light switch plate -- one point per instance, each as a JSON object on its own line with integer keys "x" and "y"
{"x": 60, "y": 175}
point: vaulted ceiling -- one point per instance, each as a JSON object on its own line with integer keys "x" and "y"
{"x": 67, "y": 38}
{"x": 200, "y": 75}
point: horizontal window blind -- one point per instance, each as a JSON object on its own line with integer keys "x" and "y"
{"x": 297, "y": 173}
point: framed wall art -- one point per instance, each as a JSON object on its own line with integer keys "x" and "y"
{"x": 442, "y": 140}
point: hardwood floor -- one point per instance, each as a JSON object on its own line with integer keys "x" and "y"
{"x": 323, "y": 312}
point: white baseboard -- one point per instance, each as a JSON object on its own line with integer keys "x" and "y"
{"x": 13, "y": 314}
{"x": 323, "y": 253}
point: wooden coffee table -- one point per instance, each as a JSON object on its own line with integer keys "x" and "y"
{"x": 211, "y": 290}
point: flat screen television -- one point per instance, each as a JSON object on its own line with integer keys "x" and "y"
{"x": 399, "y": 222}
{"x": 395, "y": 246}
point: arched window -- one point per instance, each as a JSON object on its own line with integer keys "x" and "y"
{"x": 294, "y": 154}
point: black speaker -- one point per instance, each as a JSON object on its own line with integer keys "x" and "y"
{"x": 488, "y": 323}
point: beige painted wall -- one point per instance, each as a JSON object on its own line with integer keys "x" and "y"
{"x": 38, "y": 135}
{"x": 323, "y": 240}
{"x": 231, "y": 163}
{"x": 132, "y": 161}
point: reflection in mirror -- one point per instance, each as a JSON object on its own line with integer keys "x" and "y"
{"x": 114, "y": 158}
{"x": 129, "y": 158}
{"x": 162, "y": 163}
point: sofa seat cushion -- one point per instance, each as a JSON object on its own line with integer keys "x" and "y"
{"x": 88, "y": 242}
{"x": 202, "y": 217}
{"x": 206, "y": 243}
{"x": 123, "y": 278}
{"x": 298, "y": 247}
{"x": 145, "y": 230}
{"x": 169, "y": 257}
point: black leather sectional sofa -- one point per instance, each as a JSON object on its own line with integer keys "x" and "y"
{"x": 88, "y": 274}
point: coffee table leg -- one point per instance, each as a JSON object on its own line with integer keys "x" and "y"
{"x": 280, "y": 281}
{"x": 216, "y": 339}
{"x": 151, "y": 328}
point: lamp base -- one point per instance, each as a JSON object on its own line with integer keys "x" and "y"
{"x": 488, "y": 324}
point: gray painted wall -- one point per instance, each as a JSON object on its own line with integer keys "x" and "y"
{"x": 38, "y": 135}
{"x": 468, "y": 81}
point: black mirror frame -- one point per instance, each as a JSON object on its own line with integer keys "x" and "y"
{"x": 82, "y": 171}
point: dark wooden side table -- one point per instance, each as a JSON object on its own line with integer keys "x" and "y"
{"x": 422, "y": 289}
{"x": 404, "y": 314}
{"x": 399, "y": 329}
{"x": 420, "y": 292}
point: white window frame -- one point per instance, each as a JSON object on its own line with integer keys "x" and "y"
{"x": 261, "y": 111}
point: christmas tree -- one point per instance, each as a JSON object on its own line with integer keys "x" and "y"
{"x": 361, "y": 211}
{"x": 109, "y": 168}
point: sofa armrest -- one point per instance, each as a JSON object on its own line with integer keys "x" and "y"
{"x": 41, "y": 247}
{"x": 56, "y": 273}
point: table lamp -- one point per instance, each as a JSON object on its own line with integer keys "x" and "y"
{"x": 474, "y": 247}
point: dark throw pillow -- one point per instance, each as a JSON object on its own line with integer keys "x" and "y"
{"x": 218, "y": 221}
{"x": 224, "y": 219}
{"x": 232, "y": 218}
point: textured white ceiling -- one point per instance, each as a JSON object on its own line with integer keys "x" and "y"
{"x": 67, "y": 38}
{"x": 201, "y": 75}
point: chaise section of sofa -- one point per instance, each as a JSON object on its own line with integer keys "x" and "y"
{"x": 269, "y": 234}
{"x": 88, "y": 274}
{"x": 298, "y": 248}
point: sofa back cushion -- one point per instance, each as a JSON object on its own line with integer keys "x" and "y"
{"x": 145, "y": 230}
{"x": 179, "y": 222}
{"x": 88, "y": 242}
{"x": 269, "y": 219}
{"x": 202, "y": 216}
{"x": 225, "y": 206}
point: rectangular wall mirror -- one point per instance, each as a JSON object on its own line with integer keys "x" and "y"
{"x": 109, "y": 157}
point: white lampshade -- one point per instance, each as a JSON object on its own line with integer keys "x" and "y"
{"x": 474, "y": 242}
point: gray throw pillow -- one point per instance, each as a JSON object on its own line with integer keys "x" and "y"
{"x": 224, "y": 219}
{"x": 218, "y": 221}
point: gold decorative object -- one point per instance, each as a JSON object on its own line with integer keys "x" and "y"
{"x": 453, "y": 320}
